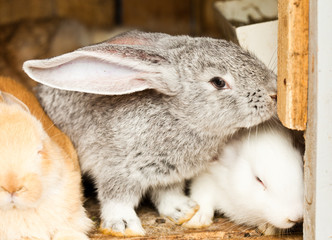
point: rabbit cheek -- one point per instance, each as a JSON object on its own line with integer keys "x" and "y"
{"x": 261, "y": 106}
{"x": 4, "y": 199}
{"x": 28, "y": 196}
{"x": 46, "y": 163}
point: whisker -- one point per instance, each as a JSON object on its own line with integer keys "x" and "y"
{"x": 273, "y": 57}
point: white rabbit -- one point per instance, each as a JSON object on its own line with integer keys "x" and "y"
{"x": 257, "y": 181}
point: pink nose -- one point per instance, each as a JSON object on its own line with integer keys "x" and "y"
{"x": 11, "y": 191}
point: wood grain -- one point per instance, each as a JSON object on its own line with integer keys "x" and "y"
{"x": 293, "y": 33}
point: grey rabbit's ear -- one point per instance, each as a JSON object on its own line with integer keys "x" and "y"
{"x": 137, "y": 38}
{"x": 119, "y": 66}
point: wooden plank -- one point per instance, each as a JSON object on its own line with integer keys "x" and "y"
{"x": 318, "y": 164}
{"x": 309, "y": 223}
{"x": 293, "y": 62}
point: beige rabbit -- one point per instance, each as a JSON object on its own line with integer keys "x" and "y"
{"x": 40, "y": 180}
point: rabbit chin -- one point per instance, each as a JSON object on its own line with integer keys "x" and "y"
{"x": 283, "y": 222}
{"x": 277, "y": 221}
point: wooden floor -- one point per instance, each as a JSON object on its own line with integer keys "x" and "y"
{"x": 161, "y": 228}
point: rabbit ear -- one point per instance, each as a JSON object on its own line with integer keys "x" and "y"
{"x": 110, "y": 69}
{"x": 130, "y": 38}
{"x": 11, "y": 100}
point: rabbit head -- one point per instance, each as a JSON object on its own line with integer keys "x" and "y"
{"x": 265, "y": 182}
{"x": 24, "y": 163}
{"x": 216, "y": 82}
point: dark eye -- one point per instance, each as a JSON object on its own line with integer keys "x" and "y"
{"x": 219, "y": 83}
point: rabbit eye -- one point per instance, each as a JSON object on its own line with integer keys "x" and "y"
{"x": 21, "y": 189}
{"x": 219, "y": 83}
{"x": 260, "y": 181}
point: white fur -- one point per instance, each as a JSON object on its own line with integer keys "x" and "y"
{"x": 114, "y": 211}
{"x": 230, "y": 185}
{"x": 171, "y": 202}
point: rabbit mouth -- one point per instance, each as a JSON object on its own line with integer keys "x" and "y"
{"x": 286, "y": 223}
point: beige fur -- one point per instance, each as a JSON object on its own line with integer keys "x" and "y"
{"x": 40, "y": 193}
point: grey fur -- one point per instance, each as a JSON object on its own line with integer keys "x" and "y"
{"x": 155, "y": 138}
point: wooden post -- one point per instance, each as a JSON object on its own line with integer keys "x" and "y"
{"x": 318, "y": 157}
{"x": 293, "y": 32}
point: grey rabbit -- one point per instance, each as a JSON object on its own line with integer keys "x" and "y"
{"x": 146, "y": 111}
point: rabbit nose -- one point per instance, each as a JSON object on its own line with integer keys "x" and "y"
{"x": 10, "y": 190}
{"x": 274, "y": 96}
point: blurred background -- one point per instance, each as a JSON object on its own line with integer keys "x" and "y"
{"x": 31, "y": 29}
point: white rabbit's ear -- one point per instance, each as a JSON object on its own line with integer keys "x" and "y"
{"x": 109, "y": 69}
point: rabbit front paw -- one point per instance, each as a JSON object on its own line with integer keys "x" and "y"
{"x": 173, "y": 204}
{"x": 122, "y": 227}
{"x": 199, "y": 220}
{"x": 120, "y": 220}
{"x": 179, "y": 209}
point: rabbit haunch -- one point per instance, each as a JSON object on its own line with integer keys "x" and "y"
{"x": 165, "y": 120}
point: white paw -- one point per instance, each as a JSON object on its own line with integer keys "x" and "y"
{"x": 199, "y": 220}
{"x": 179, "y": 209}
{"x": 120, "y": 220}
{"x": 122, "y": 227}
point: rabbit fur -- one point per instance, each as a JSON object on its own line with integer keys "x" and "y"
{"x": 40, "y": 180}
{"x": 256, "y": 181}
{"x": 148, "y": 110}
